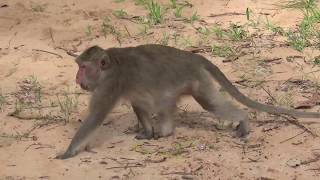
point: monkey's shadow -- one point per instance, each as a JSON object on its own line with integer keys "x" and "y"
{"x": 196, "y": 120}
{"x": 115, "y": 127}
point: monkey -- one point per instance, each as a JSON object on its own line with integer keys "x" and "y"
{"x": 153, "y": 77}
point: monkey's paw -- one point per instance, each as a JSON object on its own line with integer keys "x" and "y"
{"x": 66, "y": 155}
{"x": 144, "y": 135}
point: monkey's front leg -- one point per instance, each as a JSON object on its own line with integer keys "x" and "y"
{"x": 99, "y": 108}
{"x": 89, "y": 125}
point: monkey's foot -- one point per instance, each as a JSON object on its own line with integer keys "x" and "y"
{"x": 144, "y": 135}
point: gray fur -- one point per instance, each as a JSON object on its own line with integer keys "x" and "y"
{"x": 152, "y": 78}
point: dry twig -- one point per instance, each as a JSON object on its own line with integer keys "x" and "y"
{"x": 298, "y": 124}
{"x": 68, "y": 52}
{"x": 283, "y": 141}
{"x": 39, "y": 50}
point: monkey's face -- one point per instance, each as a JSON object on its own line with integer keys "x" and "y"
{"x": 91, "y": 63}
{"x": 88, "y": 75}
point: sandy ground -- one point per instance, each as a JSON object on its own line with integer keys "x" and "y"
{"x": 35, "y": 68}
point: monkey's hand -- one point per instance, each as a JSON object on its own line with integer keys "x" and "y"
{"x": 68, "y": 154}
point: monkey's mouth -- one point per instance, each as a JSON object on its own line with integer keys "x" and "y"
{"x": 84, "y": 87}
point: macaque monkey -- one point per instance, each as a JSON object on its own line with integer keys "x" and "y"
{"x": 152, "y": 78}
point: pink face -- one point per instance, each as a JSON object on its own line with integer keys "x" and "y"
{"x": 89, "y": 73}
{"x": 87, "y": 76}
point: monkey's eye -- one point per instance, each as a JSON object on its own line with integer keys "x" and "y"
{"x": 103, "y": 63}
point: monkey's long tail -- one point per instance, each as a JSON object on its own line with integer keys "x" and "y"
{"x": 234, "y": 92}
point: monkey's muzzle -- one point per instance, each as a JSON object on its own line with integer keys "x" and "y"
{"x": 84, "y": 87}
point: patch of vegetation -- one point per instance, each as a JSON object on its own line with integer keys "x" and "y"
{"x": 29, "y": 93}
{"x": 276, "y": 29}
{"x": 155, "y": 12}
{"x": 307, "y": 6}
{"x": 204, "y": 31}
{"x": 141, "y": 2}
{"x": 173, "y": 3}
{"x": 119, "y": 1}
{"x": 285, "y": 99}
{"x": 248, "y": 11}
{"x": 194, "y": 17}
{"x": 222, "y": 51}
{"x": 306, "y": 32}
{"x": 178, "y": 11}
{"x": 218, "y": 31}
{"x": 88, "y": 30}
{"x": 165, "y": 39}
{"x": 108, "y": 28}
{"x": 120, "y": 13}
{"x": 175, "y": 38}
{"x": 2, "y": 100}
{"x": 236, "y": 32}
{"x": 297, "y": 40}
{"x": 144, "y": 30}
{"x": 186, "y": 42}
{"x": 37, "y": 7}
{"x": 67, "y": 105}
{"x": 316, "y": 60}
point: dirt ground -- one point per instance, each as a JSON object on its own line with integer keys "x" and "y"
{"x": 41, "y": 106}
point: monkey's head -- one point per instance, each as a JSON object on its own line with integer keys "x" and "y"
{"x": 92, "y": 62}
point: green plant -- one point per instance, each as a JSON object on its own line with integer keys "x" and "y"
{"x": 175, "y": 38}
{"x": 222, "y": 51}
{"x": 297, "y": 40}
{"x": 36, "y": 87}
{"x": 155, "y": 12}
{"x": 144, "y": 30}
{"x": 178, "y": 11}
{"x": 165, "y": 39}
{"x": 141, "y": 2}
{"x": 67, "y": 105}
{"x": 186, "y": 41}
{"x": 307, "y": 6}
{"x": 302, "y": 37}
{"x": 316, "y": 60}
{"x": 248, "y": 11}
{"x": 120, "y": 13}
{"x": 194, "y": 17}
{"x": 88, "y": 30}
{"x": 29, "y": 94}
{"x": 2, "y": 100}
{"x": 204, "y": 30}
{"x": 107, "y": 28}
{"x": 218, "y": 31}
{"x": 173, "y": 3}
{"x": 275, "y": 29}
{"x": 118, "y": 1}
{"x": 236, "y": 32}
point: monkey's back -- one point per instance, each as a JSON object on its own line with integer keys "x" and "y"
{"x": 157, "y": 66}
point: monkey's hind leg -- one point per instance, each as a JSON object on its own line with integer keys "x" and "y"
{"x": 163, "y": 124}
{"x": 144, "y": 118}
{"x": 213, "y": 101}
